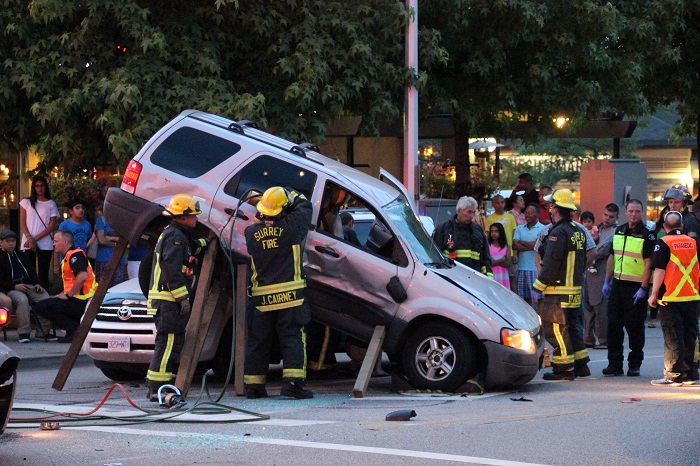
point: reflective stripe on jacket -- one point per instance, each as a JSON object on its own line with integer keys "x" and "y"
{"x": 173, "y": 266}
{"x": 275, "y": 248}
{"x": 629, "y": 261}
{"x": 563, "y": 263}
{"x": 682, "y": 271}
{"x": 68, "y": 277}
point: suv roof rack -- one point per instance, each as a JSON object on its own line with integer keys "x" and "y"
{"x": 238, "y": 127}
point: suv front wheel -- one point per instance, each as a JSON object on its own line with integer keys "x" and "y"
{"x": 439, "y": 356}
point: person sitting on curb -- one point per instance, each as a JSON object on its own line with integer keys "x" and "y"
{"x": 19, "y": 281}
{"x": 79, "y": 284}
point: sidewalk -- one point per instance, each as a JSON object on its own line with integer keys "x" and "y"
{"x": 38, "y": 352}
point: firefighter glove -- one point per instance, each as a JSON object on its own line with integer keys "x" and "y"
{"x": 641, "y": 294}
{"x": 185, "y": 308}
{"x": 606, "y": 287}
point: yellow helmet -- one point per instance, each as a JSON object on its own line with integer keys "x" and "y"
{"x": 182, "y": 204}
{"x": 562, "y": 198}
{"x": 273, "y": 201}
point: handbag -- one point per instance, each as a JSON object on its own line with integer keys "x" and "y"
{"x": 92, "y": 247}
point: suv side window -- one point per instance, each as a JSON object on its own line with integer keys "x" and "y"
{"x": 349, "y": 218}
{"x": 190, "y": 152}
{"x": 265, "y": 172}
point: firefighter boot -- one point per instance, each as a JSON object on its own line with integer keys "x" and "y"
{"x": 152, "y": 394}
{"x": 255, "y": 391}
{"x": 563, "y": 375}
{"x": 582, "y": 371}
{"x": 295, "y": 390}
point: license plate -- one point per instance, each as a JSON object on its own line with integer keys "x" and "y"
{"x": 119, "y": 344}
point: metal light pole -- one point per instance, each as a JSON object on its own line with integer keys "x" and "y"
{"x": 410, "y": 134}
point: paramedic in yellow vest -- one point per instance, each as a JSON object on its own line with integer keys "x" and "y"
{"x": 66, "y": 308}
{"x": 627, "y": 288}
{"x": 560, "y": 280}
{"x": 675, "y": 292}
{"x": 275, "y": 242}
{"x": 170, "y": 288}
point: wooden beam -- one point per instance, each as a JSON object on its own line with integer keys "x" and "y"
{"x": 89, "y": 316}
{"x": 195, "y": 336}
{"x": 241, "y": 304}
{"x": 373, "y": 351}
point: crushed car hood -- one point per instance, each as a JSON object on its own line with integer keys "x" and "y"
{"x": 508, "y": 305}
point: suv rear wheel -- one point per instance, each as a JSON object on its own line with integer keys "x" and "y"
{"x": 439, "y": 356}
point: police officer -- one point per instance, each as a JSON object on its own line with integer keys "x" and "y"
{"x": 463, "y": 240}
{"x": 274, "y": 242}
{"x": 560, "y": 280}
{"x": 170, "y": 288}
{"x": 676, "y": 274}
{"x": 626, "y": 286}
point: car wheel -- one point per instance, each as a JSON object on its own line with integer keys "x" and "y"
{"x": 439, "y": 356}
{"x": 122, "y": 371}
{"x": 220, "y": 363}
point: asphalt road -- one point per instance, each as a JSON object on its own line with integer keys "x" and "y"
{"x": 592, "y": 421}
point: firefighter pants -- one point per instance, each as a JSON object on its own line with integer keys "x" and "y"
{"x": 262, "y": 326}
{"x": 561, "y": 331}
{"x": 623, "y": 315}
{"x": 170, "y": 338}
{"x": 679, "y": 324}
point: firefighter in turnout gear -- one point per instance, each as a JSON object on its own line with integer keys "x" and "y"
{"x": 560, "y": 280}
{"x": 675, "y": 291}
{"x": 463, "y": 240}
{"x": 627, "y": 288}
{"x": 275, "y": 244}
{"x": 170, "y": 288}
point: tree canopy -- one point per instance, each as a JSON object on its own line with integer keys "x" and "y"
{"x": 89, "y": 81}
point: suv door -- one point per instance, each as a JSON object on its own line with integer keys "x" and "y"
{"x": 346, "y": 281}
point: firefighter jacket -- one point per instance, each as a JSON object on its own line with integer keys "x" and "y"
{"x": 630, "y": 246}
{"x": 563, "y": 263}
{"x": 275, "y": 246}
{"x": 466, "y": 243}
{"x": 173, "y": 265}
{"x": 677, "y": 254}
{"x": 74, "y": 262}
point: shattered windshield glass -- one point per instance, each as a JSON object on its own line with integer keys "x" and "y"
{"x": 405, "y": 220}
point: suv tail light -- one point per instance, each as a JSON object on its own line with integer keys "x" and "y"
{"x": 131, "y": 176}
{"x": 4, "y": 316}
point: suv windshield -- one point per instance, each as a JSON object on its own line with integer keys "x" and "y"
{"x": 401, "y": 214}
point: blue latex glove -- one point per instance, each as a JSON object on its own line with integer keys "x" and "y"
{"x": 641, "y": 294}
{"x": 606, "y": 287}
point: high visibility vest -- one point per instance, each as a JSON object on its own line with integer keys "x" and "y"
{"x": 68, "y": 276}
{"x": 629, "y": 262}
{"x": 682, "y": 271}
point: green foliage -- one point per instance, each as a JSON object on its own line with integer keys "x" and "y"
{"x": 90, "y": 81}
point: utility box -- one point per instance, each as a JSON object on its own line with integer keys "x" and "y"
{"x": 618, "y": 181}
{"x": 440, "y": 210}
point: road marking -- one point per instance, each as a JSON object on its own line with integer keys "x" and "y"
{"x": 316, "y": 445}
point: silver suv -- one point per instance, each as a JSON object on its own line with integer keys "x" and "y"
{"x": 444, "y": 322}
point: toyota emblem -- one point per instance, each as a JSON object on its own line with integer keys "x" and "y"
{"x": 124, "y": 313}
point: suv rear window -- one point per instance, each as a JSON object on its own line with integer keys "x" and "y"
{"x": 192, "y": 153}
{"x": 265, "y": 172}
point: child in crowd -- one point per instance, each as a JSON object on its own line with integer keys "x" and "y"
{"x": 500, "y": 254}
{"x": 588, "y": 221}
{"x": 76, "y": 224}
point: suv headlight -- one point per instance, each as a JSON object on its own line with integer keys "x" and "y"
{"x": 518, "y": 339}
